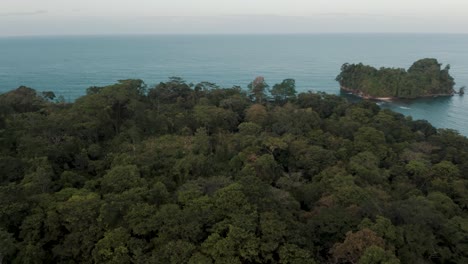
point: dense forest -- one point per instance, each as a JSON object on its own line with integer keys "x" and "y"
{"x": 424, "y": 78}
{"x": 196, "y": 173}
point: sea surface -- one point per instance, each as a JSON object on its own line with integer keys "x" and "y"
{"x": 69, "y": 65}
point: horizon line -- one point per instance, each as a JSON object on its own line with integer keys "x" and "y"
{"x": 231, "y": 34}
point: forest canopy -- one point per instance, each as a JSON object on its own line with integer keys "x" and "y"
{"x": 425, "y": 77}
{"x": 196, "y": 173}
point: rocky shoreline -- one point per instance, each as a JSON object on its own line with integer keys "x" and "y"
{"x": 389, "y": 98}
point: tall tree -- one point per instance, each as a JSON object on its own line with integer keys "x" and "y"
{"x": 284, "y": 90}
{"x": 258, "y": 89}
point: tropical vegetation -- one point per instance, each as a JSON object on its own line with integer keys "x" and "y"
{"x": 182, "y": 173}
{"x": 425, "y": 77}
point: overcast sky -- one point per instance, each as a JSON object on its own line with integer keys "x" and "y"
{"x": 75, "y": 17}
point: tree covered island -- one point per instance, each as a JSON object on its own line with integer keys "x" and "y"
{"x": 424, "y": 78}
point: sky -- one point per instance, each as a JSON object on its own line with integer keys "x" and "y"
{"x": 90, "y": 17}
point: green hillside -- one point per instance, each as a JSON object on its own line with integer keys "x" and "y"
{"x": 182, "y": 173}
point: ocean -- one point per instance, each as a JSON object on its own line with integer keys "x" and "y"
{"x": 67, "y": 65}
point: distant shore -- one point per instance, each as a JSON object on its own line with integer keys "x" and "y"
{"x": 390, "y": 98}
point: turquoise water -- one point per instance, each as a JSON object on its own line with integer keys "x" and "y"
{"x": 68, "y": 65}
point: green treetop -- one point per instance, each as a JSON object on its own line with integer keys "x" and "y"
{"x": 425, "y": 77}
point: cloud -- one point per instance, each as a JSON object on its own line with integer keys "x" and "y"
{"x": 30, "y": 13}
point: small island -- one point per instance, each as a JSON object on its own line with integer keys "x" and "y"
{"x": 425, "y": 78}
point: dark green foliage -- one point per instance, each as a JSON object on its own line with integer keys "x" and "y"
{"x": 183, "y": 173}
{"x": 21, "y": 100}
{"x": 424, "y": 78}
{"x": 284, "y": 90}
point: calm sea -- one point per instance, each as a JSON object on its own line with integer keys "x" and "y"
{"x": 68, "y": 65}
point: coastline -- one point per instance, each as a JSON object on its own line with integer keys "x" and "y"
{"x": 389, "y": 98}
